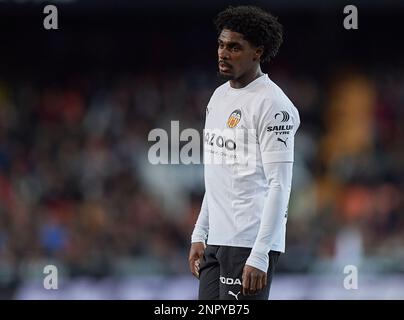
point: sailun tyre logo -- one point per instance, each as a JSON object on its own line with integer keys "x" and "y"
{"x": 285, "y": 116}
{"x": 234, "y": 118}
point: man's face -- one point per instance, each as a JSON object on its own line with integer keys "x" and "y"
{"x": 236, "y": 55}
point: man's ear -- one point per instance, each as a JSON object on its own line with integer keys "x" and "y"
{"x": 258, "y": 53}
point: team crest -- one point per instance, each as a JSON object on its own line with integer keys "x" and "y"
{"x": 234, "y": 118}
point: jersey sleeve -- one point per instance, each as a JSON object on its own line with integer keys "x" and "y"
{"x": 279, "y": 177}
{"x": 201, "y": 228}
{"x": 276, "y": 128}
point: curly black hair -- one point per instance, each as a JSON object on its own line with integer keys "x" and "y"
{"x": 258, "y": 27}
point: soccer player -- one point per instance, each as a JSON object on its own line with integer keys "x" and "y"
{"x": 240, "y": 231}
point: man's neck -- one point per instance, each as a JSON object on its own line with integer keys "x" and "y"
{"x": 246, "y": 78}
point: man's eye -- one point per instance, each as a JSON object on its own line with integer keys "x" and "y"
{"x": 235, "y": 49}
{"x": 221, "y": 46}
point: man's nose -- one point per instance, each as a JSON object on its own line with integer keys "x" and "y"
{"x": 223, "y": 54}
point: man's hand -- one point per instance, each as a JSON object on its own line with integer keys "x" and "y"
{"x": 195, "y": 254}
{"x": 254, "y": 280}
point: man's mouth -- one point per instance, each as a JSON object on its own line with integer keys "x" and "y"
{"x": 224, "y": 67}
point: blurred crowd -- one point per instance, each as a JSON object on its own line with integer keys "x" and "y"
{"x": 347, "y": 206}
{"x": 71, "y": 187}
{"x": 77, "y": 190}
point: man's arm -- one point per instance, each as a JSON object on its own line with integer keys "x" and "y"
{"x": 279, "y": 177}
{"x": 202, "y": 224}
{"x": 198, "y": 238}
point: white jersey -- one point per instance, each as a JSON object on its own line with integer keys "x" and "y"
{"x": 235, "y": 181}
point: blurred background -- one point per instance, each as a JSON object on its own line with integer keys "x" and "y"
{"x": 77, "y": 104}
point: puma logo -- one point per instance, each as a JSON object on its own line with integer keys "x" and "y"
{"x": 284, "y": 141}
{"x": 233, "y": 294}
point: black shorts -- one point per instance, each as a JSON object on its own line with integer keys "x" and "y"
{"x": 221, "y": 270}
